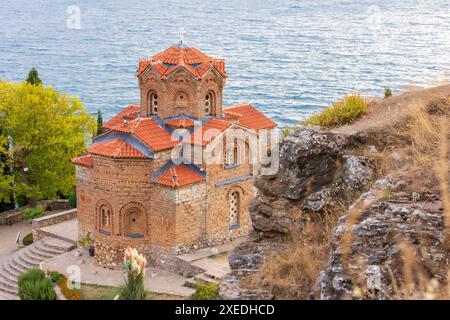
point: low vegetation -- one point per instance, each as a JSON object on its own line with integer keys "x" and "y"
{"x": 422, "y": 140}
{"x": 34, "y": 285}
{"x": 69, "y": 292}
{"x": 86, "y": 242}
{"x": 135, "y": 264}
{"x": 33, "y": 213}
{"x": 205, "y": 291}
{"x": 340, "y": 113}
{"x": 28, "y": 239}
{"x": 387, "y": 92}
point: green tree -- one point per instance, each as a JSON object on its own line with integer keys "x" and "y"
{"x": 99, "y": 123}
{"x": 42, "y": 131}
{"x": 33, "y": 77}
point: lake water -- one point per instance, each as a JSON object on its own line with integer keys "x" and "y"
{"x": 289, "y": 58}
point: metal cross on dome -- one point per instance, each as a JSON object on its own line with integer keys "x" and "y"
{"x": 182, "y": 33}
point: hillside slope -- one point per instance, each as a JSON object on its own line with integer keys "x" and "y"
{"x": 354, "y": 212}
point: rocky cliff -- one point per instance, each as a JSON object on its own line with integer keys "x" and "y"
{"x": 390, "y": 233}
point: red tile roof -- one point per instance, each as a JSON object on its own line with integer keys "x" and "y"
{"x": 148, "y": 131}
{"x": 86, "y": 161}
{"x": 208, "y": 132}
{"x": 248, "y": 116}
{"x": 179, "y": 56}
{"x": 115, "y": 149}
{"x": 129, "y": 113}
{"x": 181, "y": 122}
{"x": 179, "y": 176}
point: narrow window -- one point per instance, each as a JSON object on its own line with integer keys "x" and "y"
{"x": 234, "y": 209}
{"x": 208, "y": 104}
{"x": 152, "y": 103}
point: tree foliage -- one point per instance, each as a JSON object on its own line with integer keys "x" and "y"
{"x": 33, "y": 77}
{"x": 41, "y": 130}
{"x": 99, "y": 123}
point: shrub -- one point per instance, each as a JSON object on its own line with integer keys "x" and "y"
{"x": 205, "y": 291}
{"x": 28, "y": 239}
{"x": 73, "y": 199}
{"x": 33, "y": 285}
{"x": 387, "y": 92}
{"x": 340, "y": 113}
{"x": 85, "y": 242}
{"x": 32, "y": 275}
{"x": 55, "y": 276}
{"x": 134, "y": 285}
{"x": 33, "y": 213}
{"x": 39, "y": 290}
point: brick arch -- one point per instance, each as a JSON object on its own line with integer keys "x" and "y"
{"x": 138, "y": 211}
{"x": 99, "y": 206}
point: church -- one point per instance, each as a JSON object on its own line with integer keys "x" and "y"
{"x": 174, "y": 172}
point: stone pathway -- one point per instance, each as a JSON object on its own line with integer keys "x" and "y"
{"x": 29, "y": 257}
{"x": 8, "y": 236}
{"x": 67, "y": 230}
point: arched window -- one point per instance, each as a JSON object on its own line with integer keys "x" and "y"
{"x": 232, "y": 155}
{"x": 152, "y": 102}
{"x": 209, "y": 103}
{"x": 234, "y": 209}
{"x": 105, "y": 219}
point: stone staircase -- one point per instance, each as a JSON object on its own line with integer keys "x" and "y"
{"x": 26, "y": 258}
{"x": 204, "y": 278}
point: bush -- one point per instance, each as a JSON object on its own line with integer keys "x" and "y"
{"x": 39, "y": 290}
{"x": 28, "y": 239}
{"x": 340, "y": 113}
{"x": 85, "y": 242}
{"x": 32, "y": 275}
{"x": 33, "y": 285}
{"x": 55, "y": 276}
{"x": 205, "y": 291}
{"x": 33, "y": 213}
{"x": 73, "y": 199}
{"x": 387, "y": 92}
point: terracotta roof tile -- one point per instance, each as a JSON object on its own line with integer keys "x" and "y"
{"x": 181, "y": 122}
{"x": 87, "y": 161}
{"x": 131, "y": 112}
{"x": 115, "y": 149}
{"x": 179, "y": 56}
{"x": 149, "y": 132}
{"x": 248, "y": 116}
{"x": 208, "y": 131}
{"x": 179, "y": 176}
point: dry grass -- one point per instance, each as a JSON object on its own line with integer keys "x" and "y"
{"x": 292, "y": 274}
{"x": 426, "y": 129}
{"x": 421, "y": 140}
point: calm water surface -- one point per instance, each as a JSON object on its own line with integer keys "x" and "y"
{"x": 289, "y": 58}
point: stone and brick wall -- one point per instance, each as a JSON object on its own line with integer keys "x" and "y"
{"x": 15, "y": 215}
{"x": 181, "y": 93}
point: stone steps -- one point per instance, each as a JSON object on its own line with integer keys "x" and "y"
{"x": 200, "y": 278}
{"x": 26, "y": 258}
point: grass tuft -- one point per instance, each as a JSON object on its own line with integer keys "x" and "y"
{"x": 340, "y": 113}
